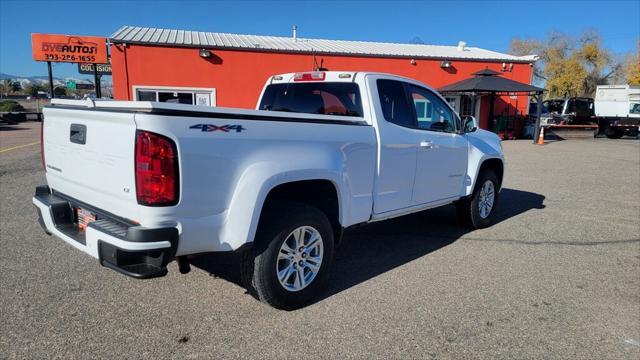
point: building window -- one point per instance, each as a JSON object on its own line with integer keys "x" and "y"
{"x": 452, "y": 101}
{"x": 202, "y": 97}
{"x": 147, "y": 95}
{"x": 466, "y": 106}
{"x": 175, "y": 97}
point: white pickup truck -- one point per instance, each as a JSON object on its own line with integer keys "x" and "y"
{"x": 139, "y": 184}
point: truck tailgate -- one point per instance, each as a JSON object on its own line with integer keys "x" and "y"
{"x": 89, "y": 155}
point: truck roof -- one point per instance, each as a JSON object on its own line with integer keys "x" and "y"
{"x": 617, "y": 92}
{"x": 332, "y": 76}
{"x": 622, "y": 86}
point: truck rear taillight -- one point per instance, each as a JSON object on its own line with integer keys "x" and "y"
{"x": 309, "y": 76}
{"x": 156, "y": 162}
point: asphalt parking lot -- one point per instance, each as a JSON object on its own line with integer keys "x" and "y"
{"x": 557, "y": 277}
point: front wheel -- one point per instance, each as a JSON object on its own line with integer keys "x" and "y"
{"x": 289, "y": 264}
{"x": 478, "y": 211}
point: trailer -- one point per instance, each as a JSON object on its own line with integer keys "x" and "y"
{"x": 617, "y": 109}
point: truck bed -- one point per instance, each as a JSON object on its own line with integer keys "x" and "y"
{"x": 224, "y": 155}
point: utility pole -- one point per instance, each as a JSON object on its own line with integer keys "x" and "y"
{"x": 96, "y": 80}
{"x": 50, "y": 79}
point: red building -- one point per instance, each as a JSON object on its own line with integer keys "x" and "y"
{"x": 230, "y": 70}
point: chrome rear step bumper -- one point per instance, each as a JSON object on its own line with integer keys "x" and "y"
{"x": 120, "y": 245}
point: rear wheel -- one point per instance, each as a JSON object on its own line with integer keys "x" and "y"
{"x": 478, "y": 211}
{"x": 289, "y": 264}
{"x": 612, "y": 133}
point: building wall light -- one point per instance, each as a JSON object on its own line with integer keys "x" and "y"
{"x": 445, "y": 64}
{"x": 205, "y": 53}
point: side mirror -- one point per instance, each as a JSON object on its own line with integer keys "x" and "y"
{"x": 469, "y": 124}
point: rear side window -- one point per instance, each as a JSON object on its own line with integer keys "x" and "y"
{"x": 553, "y": 106}
{"x": 313, "y": 98}
{"x": 393, "y": 100}
{"x": 582, "y": 107}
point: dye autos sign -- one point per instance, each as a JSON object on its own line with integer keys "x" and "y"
{"x": 69, "y": 48}
{"x": 103, "y": 69}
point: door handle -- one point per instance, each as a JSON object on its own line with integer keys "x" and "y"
{"x": 426, "y": 144}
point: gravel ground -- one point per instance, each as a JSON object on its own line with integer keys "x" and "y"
{"x": 557, "y": 277}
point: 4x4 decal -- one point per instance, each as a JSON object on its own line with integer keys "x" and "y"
{"x": 223, "y": 128}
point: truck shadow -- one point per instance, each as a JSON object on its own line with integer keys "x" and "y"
{"x": 370, "y": 250}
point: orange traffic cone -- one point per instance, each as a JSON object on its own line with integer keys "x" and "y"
{"x": 541, "y": 136}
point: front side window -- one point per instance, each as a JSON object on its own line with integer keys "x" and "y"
{"x": 431, "y": 112}
{"x": 452, "y": 102}
{"x": 313, "y": 98}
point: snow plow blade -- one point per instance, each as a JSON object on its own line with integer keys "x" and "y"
{"x": 570, "y": 132}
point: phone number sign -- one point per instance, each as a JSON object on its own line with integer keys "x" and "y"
{"x": 69, "y": 48}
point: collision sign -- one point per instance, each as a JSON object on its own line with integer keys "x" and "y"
{"x": 102, "y": 69}
{"x": 69, "y": 48}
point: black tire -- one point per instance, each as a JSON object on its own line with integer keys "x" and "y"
{"x": 259, "y": 263}
{"x": 468, "y": 209}
{"x": 613, "y": 133}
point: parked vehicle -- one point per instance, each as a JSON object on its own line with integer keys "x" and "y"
{"x": 571, "y": 111}
{"x": 138, "y": 184}
{"x": 618, "y": 110}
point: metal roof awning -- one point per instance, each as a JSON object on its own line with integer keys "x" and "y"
{"x": 489, "y": 81}
{"x": 212, "y": 40}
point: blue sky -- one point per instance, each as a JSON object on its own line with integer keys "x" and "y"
{"x": 490, "y": 25}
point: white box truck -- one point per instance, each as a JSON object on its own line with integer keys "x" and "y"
{"x": 618, "y": 110}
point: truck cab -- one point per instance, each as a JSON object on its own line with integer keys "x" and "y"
{"x": 571, "y": 111}
{"x": 618, "y": 110}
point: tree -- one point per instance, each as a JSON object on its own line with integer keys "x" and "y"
{"x": 569, "y": 66}
{"x": 632, "y": 67}
{"x": 10, "y": 105}
{"x": 60, "y": 91}
{"x": 6, "y": 86}
{"x": 597, "y": 61}
{"x": 16, "y": 86}
{"x": 33, "y": 89}
{"x": 524, "y": 47}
